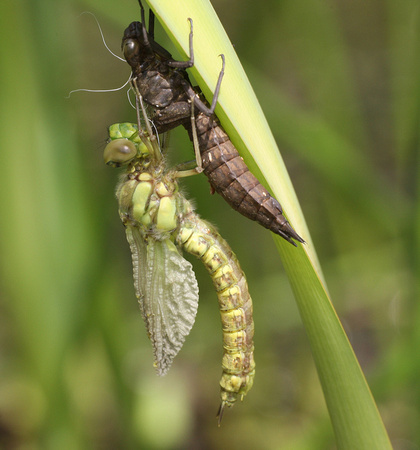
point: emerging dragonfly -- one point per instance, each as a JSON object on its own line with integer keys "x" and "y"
{"x": 164, "y": 85}
{"x": 160, "y": 222}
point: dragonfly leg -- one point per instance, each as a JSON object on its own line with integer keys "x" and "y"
{"x": 186, "y": 173}
{"x": 181, "y": 171}
{"x": 143, "y": 27}
{"x": 195, "y": 141}
{"x": 201, "y": 106}
{"x": 186, "y": 169}
{"x": 150, "y": 140}
{"x": 190, "y": 62}
{"x": 151, "y": 31}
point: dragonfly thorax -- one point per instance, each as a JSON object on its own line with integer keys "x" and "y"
{"x": 150, "y": 200}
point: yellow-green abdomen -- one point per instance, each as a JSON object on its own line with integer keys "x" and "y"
{"x": 200, "y": 239}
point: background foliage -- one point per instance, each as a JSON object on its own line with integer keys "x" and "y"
{"x": 339, "y": 82}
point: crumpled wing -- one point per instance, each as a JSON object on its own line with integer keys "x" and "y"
{"x": 167, "y": 290}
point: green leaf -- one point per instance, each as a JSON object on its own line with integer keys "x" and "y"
{"x": 353, "y": 412}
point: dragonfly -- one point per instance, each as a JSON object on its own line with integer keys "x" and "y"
{"x": 160, "y": 224}
{"x": 164, "y": 84}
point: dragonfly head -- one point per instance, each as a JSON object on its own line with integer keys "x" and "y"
{"x": 124, "y": 145}
{"x": 119, "y": 152}
{"x": 135, "y": 47}
{"x": 138, "y": 46}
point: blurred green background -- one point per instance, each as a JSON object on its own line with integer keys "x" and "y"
{"x": 339, "y": 82}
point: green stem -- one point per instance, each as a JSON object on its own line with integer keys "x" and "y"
{"x": 353, "y": 412}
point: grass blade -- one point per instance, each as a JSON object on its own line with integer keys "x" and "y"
{"x": 353, "y": 412}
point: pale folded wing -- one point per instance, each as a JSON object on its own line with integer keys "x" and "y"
{"x": 167, "y": 290}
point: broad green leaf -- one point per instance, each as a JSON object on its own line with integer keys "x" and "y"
{"x": 353, "y": 412}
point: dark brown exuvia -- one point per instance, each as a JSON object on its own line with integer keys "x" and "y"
{"x": 164, "y": 85}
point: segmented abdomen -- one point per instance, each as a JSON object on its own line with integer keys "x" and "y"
{"x": 201, "y": 239}
{"x": 231, "y": 178}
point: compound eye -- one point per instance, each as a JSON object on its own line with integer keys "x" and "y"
{"x": 119, "y": 152}
{"x": 130, "y": 48}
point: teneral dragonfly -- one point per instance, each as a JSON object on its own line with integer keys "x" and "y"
{"x": 164, "y": 84}
{"x": 160, "y": 222}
